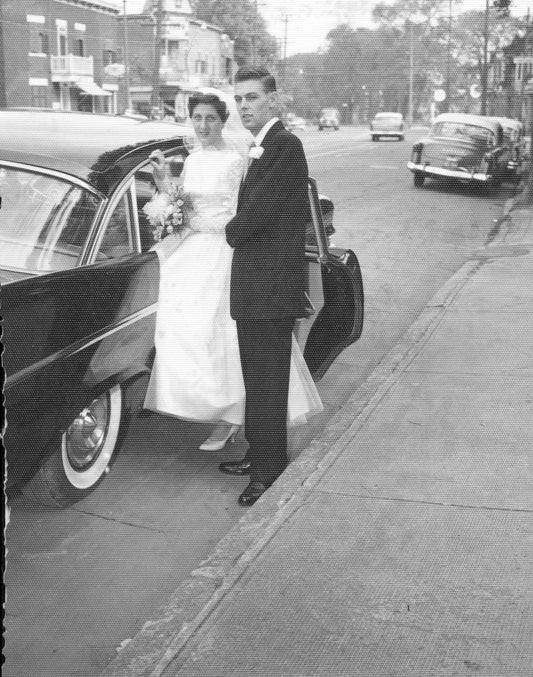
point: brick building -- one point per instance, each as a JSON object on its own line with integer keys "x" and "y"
{"x": 53, "y": 54}
{"x": 69, "y": 54}
{"x": 192, "y": 54}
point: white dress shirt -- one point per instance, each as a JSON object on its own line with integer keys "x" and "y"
{"x": 258, "y": 140}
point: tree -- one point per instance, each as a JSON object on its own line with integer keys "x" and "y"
{"x": 418, "y": 26}
{"x": 503, "y": 7}
{"x": 243, "y": 23}
{"x": 402, "y": 12}
{"x": 477, "y": 36}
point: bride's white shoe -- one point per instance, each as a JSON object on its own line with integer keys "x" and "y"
{"x": 220, "y": 436}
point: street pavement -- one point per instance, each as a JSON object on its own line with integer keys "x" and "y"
{"x": 400, "y": 542}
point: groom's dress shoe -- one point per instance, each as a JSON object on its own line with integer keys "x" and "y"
{"x": 236, "y": 467}
{"x": 252, "y": 493}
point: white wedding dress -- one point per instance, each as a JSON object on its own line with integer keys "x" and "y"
{"x": 197, "y": 370}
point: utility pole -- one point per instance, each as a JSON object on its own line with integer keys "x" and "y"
{"x": 484, "y": 63}
{"x": 126, "y": 59}
{"x": 156, "y": 78}
{"x": 253, "y": 36}
{"x": 449, "y": 59}
{"x": 411, "y": 77}
{"x": 284, "y": 51}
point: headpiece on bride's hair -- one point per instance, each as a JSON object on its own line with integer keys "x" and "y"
{"x": 234, "y": 133}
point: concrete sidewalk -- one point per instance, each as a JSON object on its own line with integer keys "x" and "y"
{"x": 401, "y": 542}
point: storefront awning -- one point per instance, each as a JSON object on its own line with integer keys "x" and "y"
{"x": 90, "y": 87}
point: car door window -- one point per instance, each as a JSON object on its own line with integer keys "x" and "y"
{"x": 44, "y": 221}
{"x": 145, "y": 188}
{"x": 117, "y": 239}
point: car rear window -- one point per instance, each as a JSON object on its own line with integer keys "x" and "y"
{"x": 461, "y": 130}
{"x": 44, "y": 221}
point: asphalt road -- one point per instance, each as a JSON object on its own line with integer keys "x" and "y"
{"x": 81, "y": 581}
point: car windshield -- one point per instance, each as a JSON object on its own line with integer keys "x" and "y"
{"x": 460, "y": 130}
{"x": 45, "y": 221}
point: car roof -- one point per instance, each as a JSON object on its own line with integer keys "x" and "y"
{"x": 387, "y": 114}
{"x": 100, "y": 149}
{"x": 508, "y": 122}
{"x": 468, "y": 119}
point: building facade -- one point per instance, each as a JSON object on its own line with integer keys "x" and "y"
{"x": 510, "y": 71}
{"x": 53, "y": 54}
{"x": 85, "y": 55}
{"x": 191, "y": 54}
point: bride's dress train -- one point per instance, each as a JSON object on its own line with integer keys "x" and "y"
{"x": 197, "y": 370}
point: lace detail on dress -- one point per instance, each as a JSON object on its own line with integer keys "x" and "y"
{"x": 211, "y": 184}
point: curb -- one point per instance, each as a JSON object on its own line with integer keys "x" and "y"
{"x": 162, "y": 640}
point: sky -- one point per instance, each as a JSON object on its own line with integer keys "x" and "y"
{"x": 302, "y": 25}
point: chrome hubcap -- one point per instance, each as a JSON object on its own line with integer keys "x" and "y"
{"x": 85, "y": 436}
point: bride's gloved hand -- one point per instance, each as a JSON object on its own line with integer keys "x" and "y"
{"x": 160, "y": 171}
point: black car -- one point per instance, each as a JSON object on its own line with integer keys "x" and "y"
{"x": 80, "y": 288}
{"x": 462, "y": 147}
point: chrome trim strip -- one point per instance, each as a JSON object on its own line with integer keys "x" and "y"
{"x": 37, "y": 169}
{"x": 82, "y": 344}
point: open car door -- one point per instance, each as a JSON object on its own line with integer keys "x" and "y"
{"x": 335, "y": 291}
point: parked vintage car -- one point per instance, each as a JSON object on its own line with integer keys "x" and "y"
{"x": 460, "y": 146}
{"x": 294, "y": 122}
{"x": 387, "y": 125}
{"x": 514, "y": 141}
{"x": 329, "y": 119}
{"x": 80, "y": 287}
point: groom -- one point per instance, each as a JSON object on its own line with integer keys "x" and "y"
{"x": 267, "y": 278}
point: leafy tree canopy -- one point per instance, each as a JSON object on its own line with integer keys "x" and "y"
{"x": 244, "y": 24}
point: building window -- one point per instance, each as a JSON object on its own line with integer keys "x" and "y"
{"x": 44, "y": 43}
{"x": 61, "y": 40}
{"x": 39, "y": 41}
{"x": 201, "y": 66}
{"x": 109, "y": 56}
{"x": 39, "y": 97}
{"x": 79, "y": 47}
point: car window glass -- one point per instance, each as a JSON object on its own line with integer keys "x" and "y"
{"x": 145, "y": 189}
{"x": 460, "y": 130}
{"x": 44, "y": 221}
{"x": 117, "y": 240}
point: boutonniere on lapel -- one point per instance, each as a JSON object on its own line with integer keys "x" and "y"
{"x": 255, "y": 152}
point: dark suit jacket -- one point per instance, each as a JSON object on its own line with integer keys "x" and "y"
{"x": 268, "y": 232}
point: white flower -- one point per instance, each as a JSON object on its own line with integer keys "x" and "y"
{"x": 255, "y": 152}
{"x": 156, "y": 208}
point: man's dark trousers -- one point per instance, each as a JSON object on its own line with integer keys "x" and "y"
{"x": 265, "y": 350}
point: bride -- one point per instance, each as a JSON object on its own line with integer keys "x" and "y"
{"x": 197, "y": 371}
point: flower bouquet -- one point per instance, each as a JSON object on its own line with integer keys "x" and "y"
{"x": 165, "y": 212}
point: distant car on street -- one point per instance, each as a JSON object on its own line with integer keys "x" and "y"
{"x": 294, "y": 122}
{"x": 131, "y": 113}
{"x": 387, "y": 125}
{"x": 80, "y": 289}
{"x": 467, "y": 148}
{"x": 329, "y": 119}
